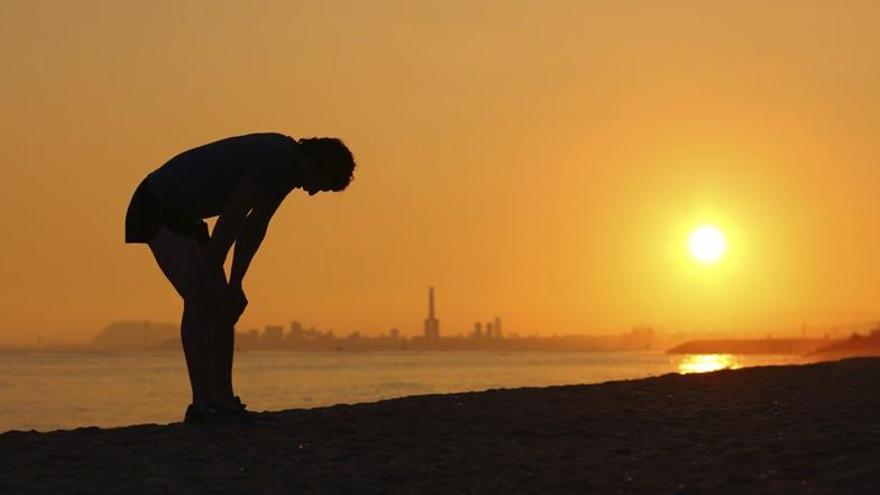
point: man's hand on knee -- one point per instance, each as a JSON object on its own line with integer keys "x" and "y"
{"x": 214, "y": 294}
{"x": 239, "y": 302}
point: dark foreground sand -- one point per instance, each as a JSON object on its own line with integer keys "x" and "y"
{"x": 808, "y": 429}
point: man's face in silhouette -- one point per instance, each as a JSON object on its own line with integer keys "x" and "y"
{"x": 313, "y": 180}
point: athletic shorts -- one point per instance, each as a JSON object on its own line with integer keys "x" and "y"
{"x": 146, "y": 213}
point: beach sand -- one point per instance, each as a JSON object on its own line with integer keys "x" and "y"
{"x": 788, "y": 429}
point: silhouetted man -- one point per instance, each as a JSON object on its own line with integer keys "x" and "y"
{"x": 243, "y": 180}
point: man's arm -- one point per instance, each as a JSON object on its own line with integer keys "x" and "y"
{"x": 251, "y": 235}
{"x": 231, "y": 222}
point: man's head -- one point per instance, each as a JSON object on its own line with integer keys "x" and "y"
{"x": 328, "y": 165}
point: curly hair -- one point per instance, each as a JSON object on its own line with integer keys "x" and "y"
{"x": 334, "y": 158}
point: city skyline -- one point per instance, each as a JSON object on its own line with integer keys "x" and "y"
{"x": 481, "y": 329}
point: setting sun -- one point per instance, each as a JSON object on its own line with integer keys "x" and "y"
{"x": 707, "y": 244}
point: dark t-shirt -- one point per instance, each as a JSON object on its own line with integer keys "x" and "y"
{"x": 197, "y": 183}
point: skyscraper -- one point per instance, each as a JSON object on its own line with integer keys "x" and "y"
{"x": 432, "y": 324}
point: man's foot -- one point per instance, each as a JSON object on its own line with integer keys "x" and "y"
{"x": 239, "y": 405}
{"x": 237, "y": 411}
{"x": 202, "y": 415}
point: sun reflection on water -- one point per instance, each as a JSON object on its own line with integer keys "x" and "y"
{"x": 704, "y": 363}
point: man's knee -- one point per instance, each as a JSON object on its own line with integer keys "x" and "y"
{"x": 204, "y": 301}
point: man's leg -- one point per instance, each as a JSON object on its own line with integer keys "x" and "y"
{"x": 179, "y": 258}
{"x": 196, "y": 338}
{"x": 223, "y": 349}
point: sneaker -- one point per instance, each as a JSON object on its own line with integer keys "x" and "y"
{"x": 201, "y": 415}
{"x": 239, "y": 405}
{"x": 238, "y": 412}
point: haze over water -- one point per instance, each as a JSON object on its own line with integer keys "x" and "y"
{"x": 47, "y": 391}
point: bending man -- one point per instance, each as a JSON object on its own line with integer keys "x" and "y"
{"x": 242, "y": 179}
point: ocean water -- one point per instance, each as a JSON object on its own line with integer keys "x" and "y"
{"x": 53, "y": 390}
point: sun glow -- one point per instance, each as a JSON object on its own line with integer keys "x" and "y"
{"x": 704, "y": 363}
{"x": 707, "y": 244}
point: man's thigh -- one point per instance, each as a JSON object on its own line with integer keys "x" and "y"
{"x": 180, "y": 259}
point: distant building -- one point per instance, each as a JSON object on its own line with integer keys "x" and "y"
{"x": 489, "y": 334}
{"x": 639, "y": 337}
{"x": 432, "y": 324}
{"x": 296, "y": 330}
{"x": 273, "y": 334}
{"x": 498, "y": 334}
{"x": 478, "y": 330}
{"x": 394, "y": 333}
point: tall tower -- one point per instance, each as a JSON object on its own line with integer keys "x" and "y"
{"x": 432, "y": 324}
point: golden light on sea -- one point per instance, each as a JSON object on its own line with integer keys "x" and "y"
{"x": 704, "y": 363}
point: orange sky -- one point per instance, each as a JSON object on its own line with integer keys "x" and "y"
{"x": 540, "y": 161}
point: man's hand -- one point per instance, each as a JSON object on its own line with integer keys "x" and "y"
{"x": 211, "y": 257}
{"x": 239, "y": 302}
{"x": 216, "y": 290}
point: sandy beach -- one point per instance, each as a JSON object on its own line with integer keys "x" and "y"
{"x": 787, "y": 429}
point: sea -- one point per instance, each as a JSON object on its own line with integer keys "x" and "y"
{"x": 47, "y": 391}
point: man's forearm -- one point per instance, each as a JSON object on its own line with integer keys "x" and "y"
{"x": 225, "y": 232}
{"x": 245, "y": 247}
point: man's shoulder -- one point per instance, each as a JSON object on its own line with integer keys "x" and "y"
{"x": 237, "y": 147}
{"x": 256, "y": 138}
